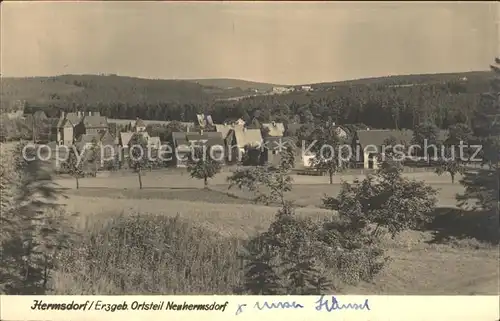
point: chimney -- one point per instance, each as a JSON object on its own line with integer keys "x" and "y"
{"x": 90, "y": 113}
{"x": 201, "y": 131}
{"x": 63, "y": 114}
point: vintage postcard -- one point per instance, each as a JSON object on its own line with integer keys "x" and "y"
{"x": 335, "y": 152}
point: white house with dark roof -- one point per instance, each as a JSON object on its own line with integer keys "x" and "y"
{"x": 240, "y": 138}
{"x": 370, "y": 143}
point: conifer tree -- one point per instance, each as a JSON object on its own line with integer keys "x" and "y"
{"x": 36, "y": 233}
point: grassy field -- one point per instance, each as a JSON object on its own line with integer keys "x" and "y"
{"x": 420, "y": 264}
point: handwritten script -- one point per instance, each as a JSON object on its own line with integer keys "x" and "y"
{"x": 322, "y": 304}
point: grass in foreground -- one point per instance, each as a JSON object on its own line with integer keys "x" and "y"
{"x": 158, "y": 254}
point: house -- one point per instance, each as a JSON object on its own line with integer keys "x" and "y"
{"x": 152, "y": 142}
{"x": 226, "y": 128}
{"x": 367, "y": 144}
{"x": 131, "y": 122}
{"x": 273, "y": 129}
{"x": 65, "y": 127}
{"x": 282, "y": 90}
{"x": 183, "y": 144}
{"x": 341, "y": 131}
{"x": 204, "y": 121}
{"x": 273, "y": 146}
{"x": 240, "y": 138}
{"x": 104, "y": 142}
{"x": 139, "y": 125}
{"x": 306, "y": 88}
{"x": 92, "y": 123}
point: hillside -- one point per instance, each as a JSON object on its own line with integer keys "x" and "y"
{"x": 234, "y": 83}
{"x": 384, "y": 102}
{"x": 92, "y": 90}
{"x": 409, "y": 79}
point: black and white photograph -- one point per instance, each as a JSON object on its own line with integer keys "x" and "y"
{"x": 249, "y": 148}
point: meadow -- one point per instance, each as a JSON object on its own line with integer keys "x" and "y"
{"x": 175, "y": 237}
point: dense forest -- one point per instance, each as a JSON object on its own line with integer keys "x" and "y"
{"x": 387, "y": 102}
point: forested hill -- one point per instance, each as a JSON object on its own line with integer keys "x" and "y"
{"x": 94, "y": 90}
{"x": 386, "y": 102}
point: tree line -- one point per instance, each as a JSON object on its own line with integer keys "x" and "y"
{"x": 378, "y": 105}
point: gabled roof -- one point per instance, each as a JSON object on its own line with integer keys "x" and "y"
{"x": 225, "y": 129}
{"x": 275, "y": 129}
{"x": 376, "y": 137}
{"x": 125, "y": 138}
{"x": 246, "y": 136}
{"x": 39, "y": 115}
{"x": 140, "y": 123}
{"x": 95, "y": 121}
{"x": 107, "y": 139}
{"x": 186, "y": 139}
{"x": 73, "y": 118}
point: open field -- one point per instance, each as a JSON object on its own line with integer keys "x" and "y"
{"x": 307, "y": 190}
{"x": 421, "y": 264}
{"x": 181, "y": 179}
{"x": 418, "y": 265}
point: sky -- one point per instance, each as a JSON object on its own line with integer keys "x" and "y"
{"x": 280, "y": 43}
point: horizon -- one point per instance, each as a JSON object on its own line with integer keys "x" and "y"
{"x": 274, "y": 43}
{"x": 247, "y": 80}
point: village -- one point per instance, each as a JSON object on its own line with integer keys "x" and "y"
{"x": 236, "y": 138}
